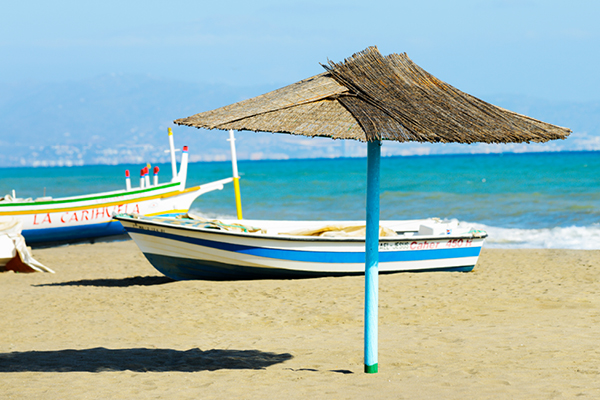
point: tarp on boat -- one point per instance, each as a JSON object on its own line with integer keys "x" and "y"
{"x": 340, "y": 231}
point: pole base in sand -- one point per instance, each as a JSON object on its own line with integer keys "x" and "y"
{"x": 371, "y": 369}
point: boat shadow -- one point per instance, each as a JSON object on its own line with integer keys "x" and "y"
{"x": 61, "y": 243}
{"x": 117, "y": 282}
{"x": 138, "y": 360}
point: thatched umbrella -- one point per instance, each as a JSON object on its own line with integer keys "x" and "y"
{"x": 370, "y": 97}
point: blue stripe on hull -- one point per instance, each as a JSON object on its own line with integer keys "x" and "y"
{"x": 187, "y": 269}
{"x": 72, "y": 233}
{"x": 330, "y": 257}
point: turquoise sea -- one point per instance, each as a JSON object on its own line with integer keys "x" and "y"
{"x": 532, "y": 200}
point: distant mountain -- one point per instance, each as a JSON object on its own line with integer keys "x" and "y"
{"x": 107, "y": 120}
{"x": 124, "y": 119}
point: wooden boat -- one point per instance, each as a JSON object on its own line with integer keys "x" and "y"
{"x": 70, "y": 219}
{"x": 250, "y": 249}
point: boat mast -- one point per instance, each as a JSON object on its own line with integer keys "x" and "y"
{"x": 173, "y": 162}
{"x": 236, "y": 177}
{"x": 182, "y": 176}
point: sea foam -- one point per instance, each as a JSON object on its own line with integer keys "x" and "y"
{"x": 572, "y": 237}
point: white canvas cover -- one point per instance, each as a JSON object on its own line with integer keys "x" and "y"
{"x": 13, "y": 243}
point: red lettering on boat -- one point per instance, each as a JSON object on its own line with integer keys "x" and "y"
{"x": 46, "y": 219}
{"x": 101, "y": 212}
{"x": 424, "y": 245}
{"x": 84, "y": 214}
{"x": 456, "y": 243}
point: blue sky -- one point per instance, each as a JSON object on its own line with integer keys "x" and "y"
{"x": 546, "y": 49}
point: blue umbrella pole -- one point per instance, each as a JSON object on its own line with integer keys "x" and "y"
{"x": 372, "y": 256}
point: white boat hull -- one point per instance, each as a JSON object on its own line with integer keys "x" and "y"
{"x": 182, "y": 250}
{"x": 86, "y": 217}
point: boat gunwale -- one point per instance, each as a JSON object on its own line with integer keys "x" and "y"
{"x": 255, "y": 235}
{"x": 94, "y": 196}
{"x": 109, "y": 203}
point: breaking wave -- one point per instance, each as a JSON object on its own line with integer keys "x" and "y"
{"x": 573, "y": 237}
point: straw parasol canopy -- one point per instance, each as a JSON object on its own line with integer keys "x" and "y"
{"x": 371, "y": 97}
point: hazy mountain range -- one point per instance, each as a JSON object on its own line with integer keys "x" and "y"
{"x": 116, "y": 118}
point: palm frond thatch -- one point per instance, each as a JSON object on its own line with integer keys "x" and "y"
{"x": 371, "y": 97}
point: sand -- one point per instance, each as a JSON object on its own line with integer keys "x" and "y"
{"x": 525, "y": 324}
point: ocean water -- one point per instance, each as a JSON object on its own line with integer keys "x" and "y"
{"x": 533, "y": 200}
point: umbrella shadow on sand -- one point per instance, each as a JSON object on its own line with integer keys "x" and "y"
{"x": 138, "y": 360}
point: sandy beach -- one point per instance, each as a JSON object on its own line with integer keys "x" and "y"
{"x": 525, "y": 324}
